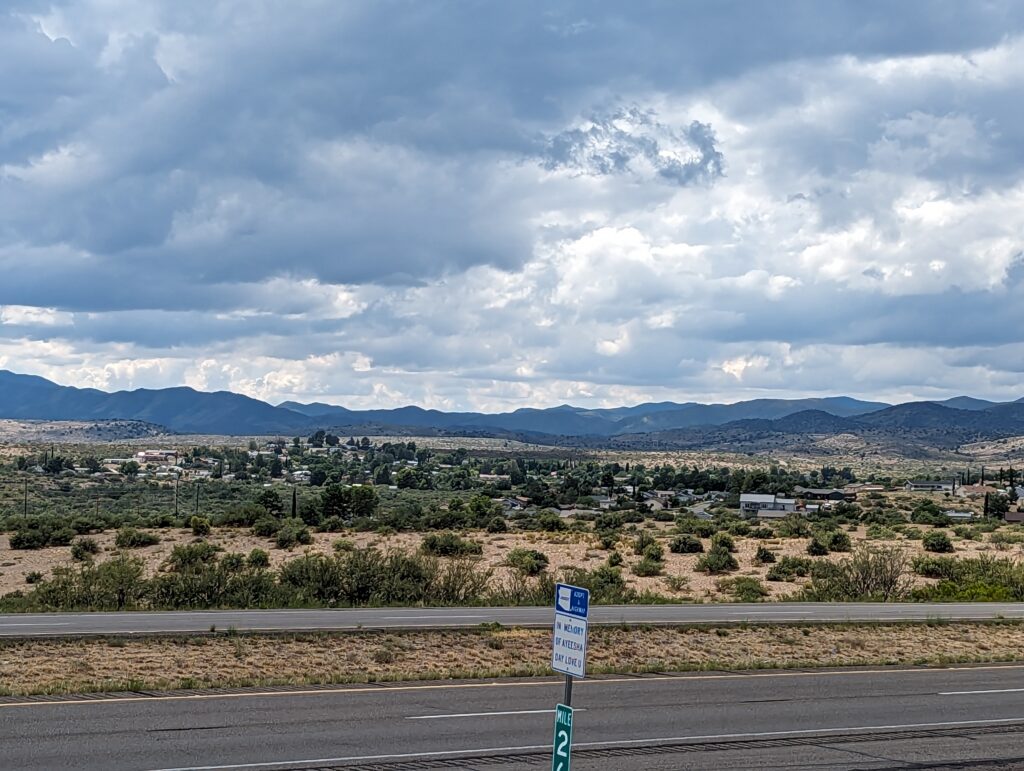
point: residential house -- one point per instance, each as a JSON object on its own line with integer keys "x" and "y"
{"x": 959, "y": 516}
{"x": 823, "y": 494}
{"x": 866, "y": 487}
{"x": 930, "y": 485}
{"x": 766, "y": 506}
{"x": 976, "y": 491}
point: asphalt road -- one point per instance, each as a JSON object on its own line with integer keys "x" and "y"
{"x": 861, "y": 719}
{"x": 70, "y": 624}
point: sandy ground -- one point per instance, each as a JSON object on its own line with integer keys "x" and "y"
{"x": 55, "y": 666}
{"x": 562, "y": 549}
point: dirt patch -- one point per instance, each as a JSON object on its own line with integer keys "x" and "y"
{"x": 70, "y": 666}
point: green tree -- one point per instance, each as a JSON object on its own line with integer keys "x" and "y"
{"x": 130, "y": 469}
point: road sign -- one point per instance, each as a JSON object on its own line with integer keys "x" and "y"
{"x": 572, "y": 601}
{"x": 561, "y": 756}
{"x": 569, "y": 643}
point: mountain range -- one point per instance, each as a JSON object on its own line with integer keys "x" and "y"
{"x": 185, "y": 410}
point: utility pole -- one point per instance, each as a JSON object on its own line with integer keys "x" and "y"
{"x": 295, "y": 500}
{"x": 26, "y": 498}
{"x": 177, "y": 478}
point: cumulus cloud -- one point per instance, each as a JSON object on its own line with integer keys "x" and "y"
{"x": 632, "y": 141}
{"x": 494, "y": 206}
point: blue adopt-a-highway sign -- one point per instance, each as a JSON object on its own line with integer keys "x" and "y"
{"x": 572, "y": 601}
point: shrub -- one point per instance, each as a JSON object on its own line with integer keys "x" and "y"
{"x": 816, "y": 548}
{"x": 789, "y": 568}
{"x": 192, "y": 556}
{"x": 717, "y": 560}
{"x": 654, "y": 552}
{"x": 762, "y": 532}
{"x": 28, "y": 539}
{"x": 937, "y": 541}
{"x": 266, "y": 527}
{"x": 258, "y": 559}
{"x": 677, "y": 583}
{"x": 292, "y": 533}
{"x": 449, "y": 544}
{"x": 529, "y": 562}
{"x": 549, "y": 521}
{"x": 607, "y": 539}
{"x": 83, "y": 549}
{"x": 37, "y": 534}
{"x": 343, "y": 545}
{"x": 793, "y": 526}
{"x": 606, "y": 584}
{"x": 981, "y": 578}
{"x": 878, "y": 532}
{"x": 497, "y": 525}
{"x": 928, "y": 513}
{"x": 870, "y": 573}
{"x": 200, "y": 526}
{"x": 685, "y": 544}
{"x": 614, "y": 559}
{"x": 33, "y": 577}
{"x": 232, "y": 562}
{"x": 647, "y": 567}
{"x": 837, "y": 540}
{"x": 723, "y": 541}
{"x": 912, "y": 533}
{"x": 743, "y": 588}
{"x": 701, "y": 528}
{"x": 764, "y": 556}
{"x": 643, "y": 540}
{"x": 130, "y": 538}
{"x": 739, "y": 528}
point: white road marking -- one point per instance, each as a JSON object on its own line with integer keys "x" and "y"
{"x": 40, "y": 623}
{"x": 993, "y": 690}
{"x": 430, "y": 617}
{"x": 613, "y": 743}
{"x": 771, "y": 612}
{"x": 488, "y": 714}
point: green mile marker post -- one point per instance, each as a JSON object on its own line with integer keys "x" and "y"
{"x": 561, "y": 757}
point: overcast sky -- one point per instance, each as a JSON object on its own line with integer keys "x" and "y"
{"x": 483, "y": 205}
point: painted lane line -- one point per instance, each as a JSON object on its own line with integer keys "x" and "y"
{"x": 429, "y": 618}
{"x": 39, "y": 623}
{"x": 609, "y": 743}
{"x": 489, "y": 714}
{"x": 991, "y": 690}
{"x": 772, "y": 613}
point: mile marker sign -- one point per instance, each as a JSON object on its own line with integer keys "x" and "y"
{"x": 569, "y": 644}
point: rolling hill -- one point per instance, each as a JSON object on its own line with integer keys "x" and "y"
{"x": 747, "y": 425}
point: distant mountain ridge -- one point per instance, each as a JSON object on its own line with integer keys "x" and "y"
{"x": 186, "y": 410}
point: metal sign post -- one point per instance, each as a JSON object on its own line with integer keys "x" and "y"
{"x": 568, "y": 656}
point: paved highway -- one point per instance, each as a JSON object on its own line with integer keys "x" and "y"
{"x": 866, "y": 719}
{"x": 70, "y": 624}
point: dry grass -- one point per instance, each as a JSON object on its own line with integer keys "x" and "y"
{"x": 70, "y": 666}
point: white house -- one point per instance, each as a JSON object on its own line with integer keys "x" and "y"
{"x": 766, "y": 506}
{"x": 930, "y": 485}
